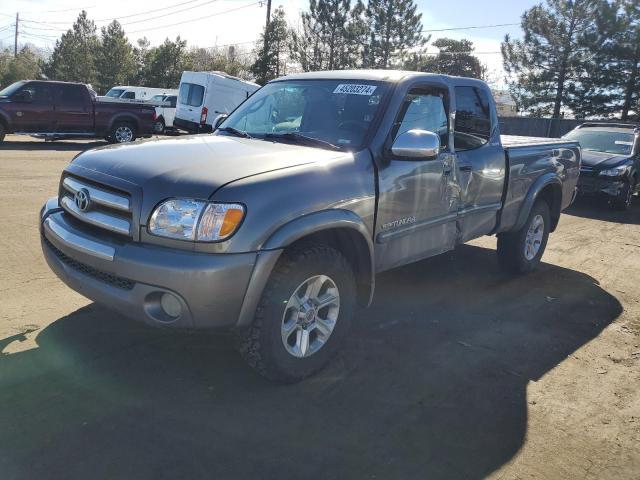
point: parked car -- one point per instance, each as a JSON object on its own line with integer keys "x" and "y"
{"x": 610, "y": 161}
{"x": 166, "y": 113}
{"x": 55, "y": 110}
{"x": 137, "y": 93}
{"x": 277, "y": 224}
{"x": 206, "y": 96}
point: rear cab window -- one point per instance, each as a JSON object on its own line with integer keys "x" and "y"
{"x": 191, "y": 94}
{"x": 473, "y": 118}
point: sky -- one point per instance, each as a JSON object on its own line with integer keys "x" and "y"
{"x": 208, "y": 23}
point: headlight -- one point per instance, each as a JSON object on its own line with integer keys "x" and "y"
{"x": 186, "y": 219}
{"x": 615, "y": 172}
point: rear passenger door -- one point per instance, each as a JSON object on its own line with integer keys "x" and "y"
{"x": 73, "y": 109}
{"x": 480, "y": 159}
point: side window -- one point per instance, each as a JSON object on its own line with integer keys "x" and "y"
{"x": 71, "y": 95}
{"x": 172, "y": 102}
{"x": 191, "y": 94}
{"x": 129, "y": 95}
{"x": 424, "y": 110}
{"x": 40, "y": 93}
{"x": 473, "y": 118}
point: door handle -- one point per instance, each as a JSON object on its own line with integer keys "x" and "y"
{"x": 466, "y": 168}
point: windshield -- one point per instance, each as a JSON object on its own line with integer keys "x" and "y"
{"x": 618, "y": 143}
{"x": 158, "y": 98}
{"x": 114, "y": 92}
{"x": 338, "y": 112}
{"x": 11, "y": 89}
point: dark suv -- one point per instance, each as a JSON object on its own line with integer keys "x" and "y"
{"x": 610, "y": 161}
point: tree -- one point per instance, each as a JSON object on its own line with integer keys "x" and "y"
{"x": 395, "y": 27}
{"x": 25, "y": 65}
{"x": 545, "y": 67}
{"x": 271, "y": 55}
{"x": 229, "y": 60}
{"x": 165, "y": 64}
{"x": 74, "y": 56}
{"x": 141, "y": 57}
{"x": 455, "y": 57}
{"x": 328, "y": 37}
{"x": 115, "y": 60}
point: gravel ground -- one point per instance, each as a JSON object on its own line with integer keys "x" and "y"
{"x": 457, "y": 371}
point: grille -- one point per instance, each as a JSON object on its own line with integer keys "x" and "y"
{"x": 113, "y": 280}
{"x": 99, "y": 205}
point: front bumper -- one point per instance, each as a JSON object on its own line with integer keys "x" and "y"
{"x": 131, "y": 277}
{"x": 596, "y": 185}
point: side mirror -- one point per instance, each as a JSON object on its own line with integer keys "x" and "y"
{"x": 418, "y": 144}
{"x": 219, "y": 120}
{"x": 24, "y": 96}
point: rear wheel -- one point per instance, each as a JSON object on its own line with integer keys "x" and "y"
{"x": 521, "y": 251}
{"x": 122, "y": 132}
{"x": 624, "y": 200}
{"x": 303, "y": 315}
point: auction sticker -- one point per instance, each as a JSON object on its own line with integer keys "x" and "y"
{"x": 353, "y": 89}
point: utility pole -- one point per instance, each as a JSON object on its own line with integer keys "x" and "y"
{"x": 266, "y": 28}
{"x": 15, "y": 44}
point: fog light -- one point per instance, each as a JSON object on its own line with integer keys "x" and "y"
{"x": 170, "y": 305}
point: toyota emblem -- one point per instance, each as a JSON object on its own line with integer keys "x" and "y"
{"x": 82, "y": 200}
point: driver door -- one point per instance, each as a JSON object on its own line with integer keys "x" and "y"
{"x": 32, "y": 110}
{"x": 417, "y": 208}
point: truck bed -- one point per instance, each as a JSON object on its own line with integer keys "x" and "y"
{"x": 510, "y": 141}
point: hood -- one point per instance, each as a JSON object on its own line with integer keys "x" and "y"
{"x": 602, "y": 159}
{"x": 192, "y": 166}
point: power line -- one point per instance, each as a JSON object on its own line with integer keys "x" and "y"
{"x": 63, "y": 10}
{"x": 196, "y": 19}
{"x": 470, "y": 28}
{"x": 170, "y": 13}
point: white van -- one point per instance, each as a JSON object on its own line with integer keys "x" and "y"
{"x": 204, "y": 96}
{"x": 165, "y": 111}
{"x": 138, "y": 93}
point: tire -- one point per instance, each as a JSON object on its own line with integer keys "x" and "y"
{"x": 511, "y": 246}
{"x": 122, "y": 132}
{"x": 623, "y": 202}
{"x": 159, "y": 126}
{"x": 3, "y": 132}
{"x": 263, "y": 343}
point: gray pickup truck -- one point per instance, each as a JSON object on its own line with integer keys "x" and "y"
{"x": 277, "y": 224}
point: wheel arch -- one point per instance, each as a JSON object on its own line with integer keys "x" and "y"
{"x": 549, "y": 188}
{"x": 340, "y": 229}
{"x": 124, "y": 118}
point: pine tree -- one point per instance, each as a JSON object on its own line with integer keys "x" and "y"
{"x": 165, "y": 64}
{"x": 395, "y": 27}
{"x": 326, "y": 41}
{"x": 271, "y": 56}
{"x": 25, "y": 66}
{"x": 74, "y": 56}
{"x": 141, "y": 58}
{"x": 545, "y": 67}
{"x": 115, "y": 59}
{"x": 455, "y": 57}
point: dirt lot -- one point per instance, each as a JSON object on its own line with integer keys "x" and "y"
{"x": 458, "y": 370}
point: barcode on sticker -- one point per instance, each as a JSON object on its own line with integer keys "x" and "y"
{"x": 352, "y": 89}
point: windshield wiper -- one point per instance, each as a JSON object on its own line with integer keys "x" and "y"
{"x": 301, "y": 139}
{"x": 235, "y": 132}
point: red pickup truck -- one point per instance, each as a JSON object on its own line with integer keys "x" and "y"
{"x": 56, "y": 110}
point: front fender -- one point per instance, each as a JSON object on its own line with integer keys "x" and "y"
{"x": 550, "y": 178}
{"x": 303, "y": 227}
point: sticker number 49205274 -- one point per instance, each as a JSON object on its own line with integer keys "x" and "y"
{"x": 352, "y": 89}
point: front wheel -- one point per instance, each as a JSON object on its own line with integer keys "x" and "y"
{"x": 521, "y": 251}
{"x": 122, "y": 133}
{"x": 624, "y": 200}
{"x": 303, "y": 315}
{"x": 159, "y": 126}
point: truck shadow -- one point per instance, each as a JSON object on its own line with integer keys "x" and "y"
{"x": 597, "y": 209}
{"x": 41, "y": 145}
{"x": 431, "y": 383}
